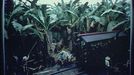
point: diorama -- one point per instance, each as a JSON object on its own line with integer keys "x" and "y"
{"x": 67, "y": 37}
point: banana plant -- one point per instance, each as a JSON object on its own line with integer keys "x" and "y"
{"x": 17, "y": 14}
{"x": 32, "y": 20}
{"x": 117, "y": 16}
{"x": 67, "y": 16}
{"x": 69, "y": 13}
{"x": 90, "y": 14}
{"x": 43, "y": 23}
{"x": 111, "y": 15}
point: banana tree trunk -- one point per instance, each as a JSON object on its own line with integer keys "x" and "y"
{"x": 88, "y": 27}
{"x": 49, "y": 41}
{"x": 70, "y": 32}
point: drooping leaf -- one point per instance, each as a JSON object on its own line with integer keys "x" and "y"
{"x": 27, "y": 26}
{"x": 111, "y": 10}
{"x": 53, "y": 18}
{"x": 111, "y": 25}
{"x": 37, "y": 19}
{"x": 75, "y": 1}
{"x": 28, "y": 11}
{"x": 103, "y": 21}
{"x": 120, "y": 24}
{"x": 96, "y": 18}
{"x": 17, "y": 10}
{"x": 63, "y": 4}
{"x": 40, "y": 15}
{"x": 72, "y": 13}
{"x": 17, "y": 26}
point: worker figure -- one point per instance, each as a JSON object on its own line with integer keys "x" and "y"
{"x": 107, "y": 63}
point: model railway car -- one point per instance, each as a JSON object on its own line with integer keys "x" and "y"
{"x": 98, "y": 51}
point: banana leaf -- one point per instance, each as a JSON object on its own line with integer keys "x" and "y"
{"x": 111, "y": 11}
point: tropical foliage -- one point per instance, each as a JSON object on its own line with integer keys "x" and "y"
{"x": 58, "y": 23}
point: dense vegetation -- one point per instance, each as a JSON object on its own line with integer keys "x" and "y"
{"x": 49, "y": 25}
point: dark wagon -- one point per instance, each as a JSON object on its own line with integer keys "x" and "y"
{"x": 93, "y": 48}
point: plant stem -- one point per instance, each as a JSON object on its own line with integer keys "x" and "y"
{"x": 32, "y": 48}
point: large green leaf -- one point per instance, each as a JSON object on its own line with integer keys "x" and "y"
{"x": 19, "y": 9}
{"x": 35, "y": 17}
{"x": 71, "y": 12}
{"x": 27, "y": 27}
{"x": 120, "y": 24}
{"x": 111, "y": 25}
{"x": 75, "y": 2}
{"x": 96, "y": 18}
{"x": 72, "y": 17}
{"x": 29, "y": 11}
{"x": 53, "y": 18}
{"x": 111, "y": 10}
{"x": 63, "y": 4}
{"x": 40, "y": 15}
{"x": 103, "y": 21}
{"x": 17, "y": 26}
